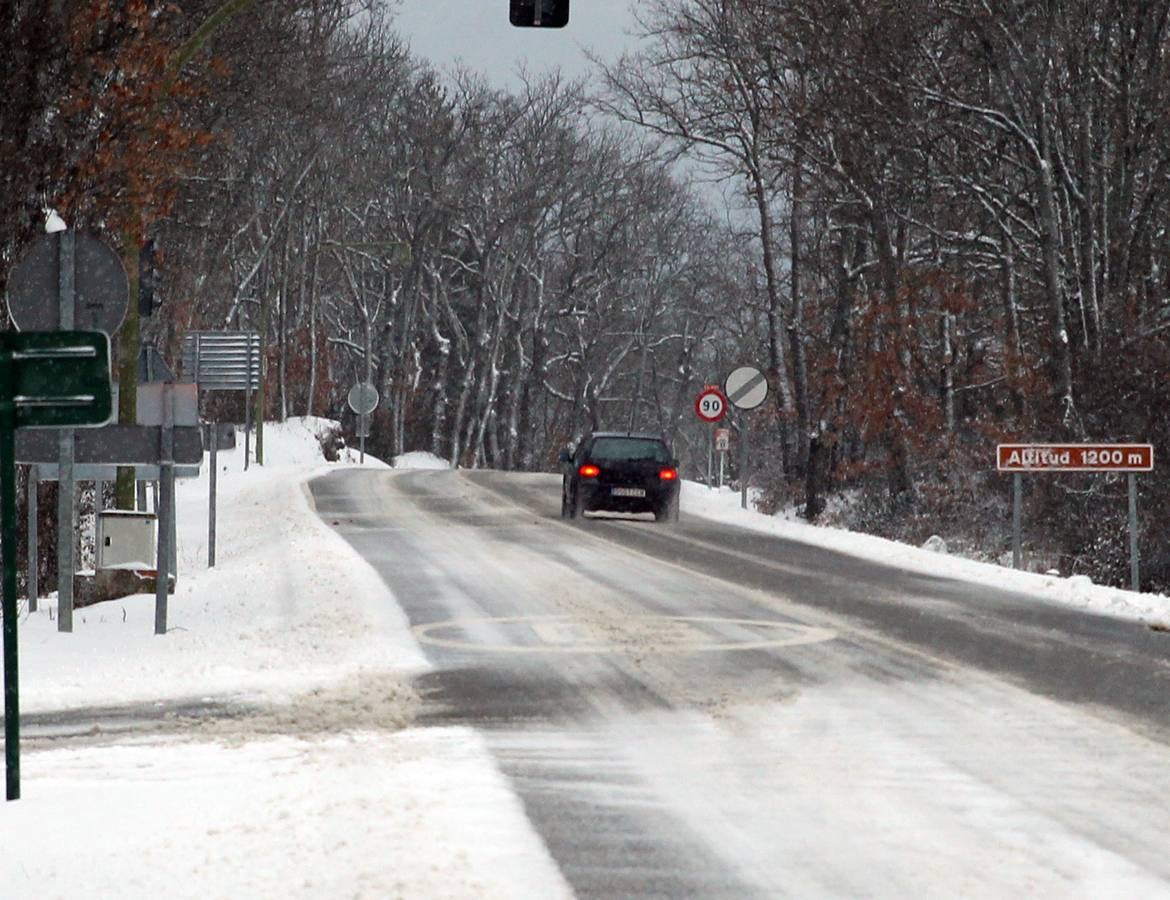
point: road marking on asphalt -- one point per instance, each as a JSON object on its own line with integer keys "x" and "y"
{"x": 562, "y": 633}
{"x": 646, "y": 634}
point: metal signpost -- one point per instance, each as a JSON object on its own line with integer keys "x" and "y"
{"x": 217, "y": 436}
{"x": 225, "y": 361}
{"x": 49, "y": 380}
{"x": 722, "y": 445}
{"x": 129, "y": 445}
{"x": 747, "y": 388}
{"x": 363, "y": 400}
{"x": 710, "y": 407}
{"x": 167, "y": 406}
{"x": 113, "y": 445}
{"x": 1032, "y": 458}
{"x": 89, "y": 284}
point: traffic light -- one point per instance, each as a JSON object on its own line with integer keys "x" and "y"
{"x": 148, "y": 299}
{"x": 539, "y": 13}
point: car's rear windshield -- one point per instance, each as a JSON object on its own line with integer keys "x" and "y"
{"x": 622, "y": 448}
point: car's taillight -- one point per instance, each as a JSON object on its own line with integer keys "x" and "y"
{"x": 589, "y": 471}
{"x": 668, "y": 474}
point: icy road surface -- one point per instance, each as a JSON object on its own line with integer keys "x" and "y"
{"x": 695, "y": 711}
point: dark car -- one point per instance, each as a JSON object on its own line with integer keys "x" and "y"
{"x": 620, "y": 471}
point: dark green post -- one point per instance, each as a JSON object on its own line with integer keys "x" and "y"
{"x": 48, "y": 379}
{"x": 8, "y": 552}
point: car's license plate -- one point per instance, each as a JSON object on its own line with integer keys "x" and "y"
{"x": 628, "y": 492}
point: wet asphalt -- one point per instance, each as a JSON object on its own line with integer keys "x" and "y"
{"x": 489, "y": 575}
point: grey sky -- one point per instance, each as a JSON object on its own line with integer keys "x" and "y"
{"x": 477, "y": 32}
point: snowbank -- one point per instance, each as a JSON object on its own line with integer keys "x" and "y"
{"x": 420, "y": 459}
{"x": 287, "y": 607}
{"x": 1078, "y": 590}
{"x": 316, "y": 786}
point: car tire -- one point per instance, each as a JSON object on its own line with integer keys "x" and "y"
{"x": 668, "y": 511}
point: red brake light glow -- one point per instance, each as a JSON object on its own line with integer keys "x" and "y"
{"x": 668, "y": 474}
{"x": 589, "y": 471}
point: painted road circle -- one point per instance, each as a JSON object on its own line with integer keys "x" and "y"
{"x": 646, "y": 634}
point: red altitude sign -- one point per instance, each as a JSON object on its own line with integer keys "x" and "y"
{"x": 1074, "y": 457}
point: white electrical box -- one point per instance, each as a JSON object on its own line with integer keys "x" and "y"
{"x": 125, "y": 536}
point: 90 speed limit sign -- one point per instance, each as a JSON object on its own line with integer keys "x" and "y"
{"x": 711, "y": 405}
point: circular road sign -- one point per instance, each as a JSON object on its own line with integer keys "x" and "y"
{"x": 711, "y": 405}
{"x": 746, "y": 387}
{"x": 101, "y": 291}
{"x": 363, "y": 398}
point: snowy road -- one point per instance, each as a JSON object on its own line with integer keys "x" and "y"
{"x": 791, "y": 723}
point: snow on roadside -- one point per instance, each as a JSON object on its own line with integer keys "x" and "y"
{"x": 364, "y": 814}
{"x": 1076, "y": 591}
{"x": 289, "y": 605}
{"x": 318, "y": 788}
{"x": 420, "y": 459}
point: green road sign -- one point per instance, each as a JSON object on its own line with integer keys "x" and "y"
{"x": 48, "y": 379}
{"x": 59, "y": 379}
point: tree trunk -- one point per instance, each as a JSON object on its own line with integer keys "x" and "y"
{"x": 796, "y": 318}
{"x": 777, "y": 364}
{"x": 947, "y": 372}
{"x": 1050, "y": 245}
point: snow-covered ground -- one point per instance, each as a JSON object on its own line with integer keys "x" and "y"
{"x": 1077, "y": 590}
{"x": 321, "y": 786}
{"x": 420, "y": 459}
{"x": 323, "y": 790}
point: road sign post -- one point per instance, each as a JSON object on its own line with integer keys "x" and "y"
{"x": 1134, "y": 580}
{"x": 722, "y": 445}
{"x": 211, "y": 496}
{"x": 1017, "y": 518}
{"x": 710, "y": 407}
{"x": 225, "y": 361}
{"x": 363, "y": 400}
{"x": 710, "y": 459}
{"x": 34, "y": 588}
{"x": 215, "y": 435}
{"x": 746, "y": 387}
{"x": 743, "y": 460}
{"x": 1038, "y": 458}
{"x": 8, "y": 557}
{"x": 49, "y": 380}
{"x": 88, "y": 283}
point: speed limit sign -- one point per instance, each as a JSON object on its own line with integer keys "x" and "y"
{"x": 711, "y": 405}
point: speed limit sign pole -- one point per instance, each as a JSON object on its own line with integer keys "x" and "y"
{"x": 710, "y": 456}
{"x": 746, "y": 387}
{"x": 711, "y": 407}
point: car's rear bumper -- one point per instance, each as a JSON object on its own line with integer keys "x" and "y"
{"x": 597, "y": 497}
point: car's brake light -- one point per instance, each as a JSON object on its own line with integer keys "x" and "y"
{"x": 668, "y": 474}
{"x": 589, "y": 471}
